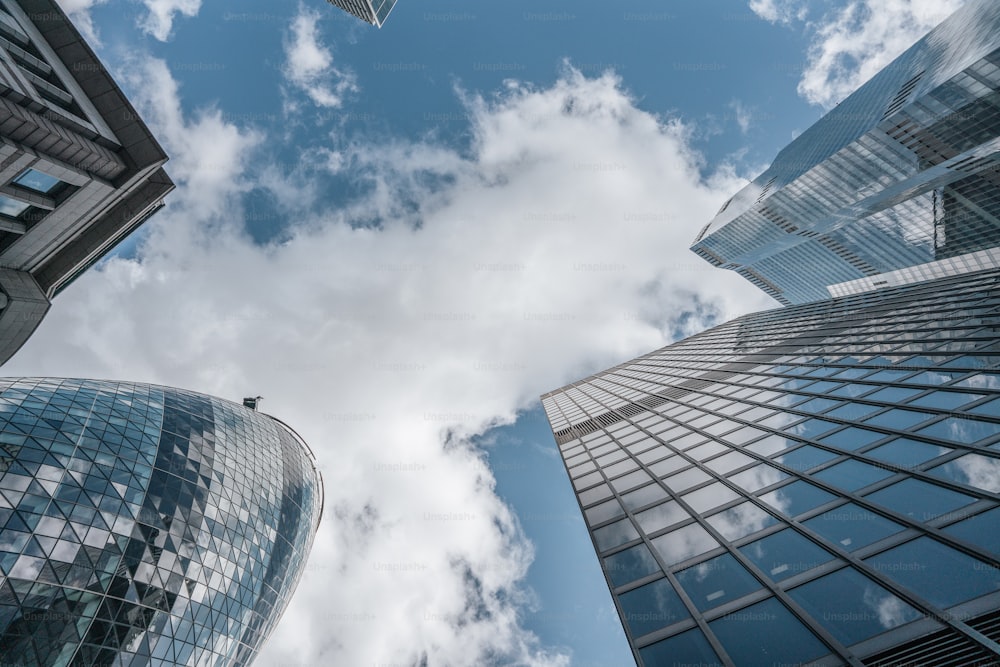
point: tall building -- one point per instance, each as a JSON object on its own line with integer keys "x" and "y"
{"x": 79, "y": 170}
{"x": 144, "y": 525}
{"x": 904, "y": 172}
{"x": 814, "y": 484}
{"x": 821, "y": 483}
{"x": 371, "y": 11}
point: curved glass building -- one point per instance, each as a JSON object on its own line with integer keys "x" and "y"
{"x": 145, "y": 525}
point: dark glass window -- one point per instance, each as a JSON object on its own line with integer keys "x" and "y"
{"x": 652, "y": 607}
{"x": 907, "y": 453}
{"x": 687, "y": 648}
{"x": 853, "y": 411}
{"x": 919, "y": 499}
{"x": 631, "y": 564}
{"x": 961, "y": 429}
{"x": 899, "y": 419}
{"x": 852, "y": 475}
{"x": 983, "y": 530}
{"x": 852, "y": 438}
{"x": 785, "y": 554}
{"x": 798, "y": 497}
{"x": 717, "y": 581}
{"x": 805, "y": 458}
{"x": 938, "y": 573}
{"x": 852, "y": 526}
{"x": 945, "y": 400}
{"x": 615, "y": 534}
{"x": 852, "y": 606}
{"x": 766, "y": 634}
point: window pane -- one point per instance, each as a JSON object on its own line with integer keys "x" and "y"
{"x": 717, "y": 581}
{"x": 919, "y": 499}
{"x": 899, "y": 419}
{"x": 33, "y": 179}
{"x": 907, "y": 453}
{"x": 627, "y": 566}
{"x": 643, "y": 496}
{"x": 805, "y": 458}
{"x": 798, "y": 497}
{"x": 766, "y": 634}
{"x": 729, "y": 462}
{"x": 983, "y": 530}
{"x": 702, "y": 452}
{"x": 982, "y": 472}
{"x": 852, "y": 526}
{"x": 811, "y": 428}
{"x": 938, "y": 573}
{"x": 615, "y": 534}
{"x": 630, "y": 481}
{"x": 603, "y": 512}
{"x": 852, "y": 475}
{"x": 853, "y": 411}
{"x": 683, "y": 481}
{"x": 961, "y": 429}
{"x": 852, "y": 606}
{"x": 684, "y": 543}
{"x": 771, "y": 444}
{"x": 710, "y": 496}
{"x": 628, "y": 465}
{"x": 667, "y": 466}
{"x": 12, "y": 207}
{"x": 785, "y": 554}
{"x": 757, "y": 478}
{"x": 852, "y": 438}
{"x": 597, "y": 493}
{"x": 740, "y": 521}
{"x": 661, "y": 516}
{"x": 587, "y": 480}
{"x": 687, "y": 648}
{"x": 652, "y": 607}
{"x": 945, "y": 400}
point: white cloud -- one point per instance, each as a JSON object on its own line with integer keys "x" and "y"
{"x": 742, "y": 114}
{"x": 309, "y": 64}
{"x": 79, "y": 12}
{"x": 555, "y": 245}
{"x": 160, "y": 20}
{"x": 853, "y": 42}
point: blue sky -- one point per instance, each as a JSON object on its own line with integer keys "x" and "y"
{"x": 401, "y": 237}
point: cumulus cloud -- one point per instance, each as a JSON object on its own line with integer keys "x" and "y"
{"x": 309, "y": 63}
{"x": 79, "y": 12}
{"x": 160, "y": 20}
{"x": 854, "y": 41}
{"x": 391, "y": 329}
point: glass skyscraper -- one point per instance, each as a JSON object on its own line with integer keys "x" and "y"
{"x": 371, "y": 11}
{"x": 820, "y": 484}
{"x": 903, "y": 172}
{"x": 144, "y": 525}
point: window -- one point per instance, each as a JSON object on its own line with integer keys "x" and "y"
{"x": 961, "y": 429}
{"x": 940, "y": 574}
{"x": 982, "y": 472}
{"x": 668, "y": 466}
{"x": 683, "y": 481}
{"x": 684, "y": 543}
{"x": 644, "y": 496}
{"x": 766, "y": 634}
{"x": 852, "y": 438}
{"x": 852, "y": 526}
{"x": 32, "y": 179}
{"x": 785, "y": 554}
{"x": 615, "y": 534}
{"x": 604, "y": 512}
{"x": 631, "y": 480}
{"x": 631, "y": 564}
{"x": 661, "y": 516}
{"x": 11, "y": 207}
{"x": 907, "y": 453}
{"x": 798, "y": 497}
{"x": 920, "y": 500}
{"x": 652, "y": 607}
{"x": 852, "y": 475}
{"x": 852, "y": 606}
{"x": 709, "y": 497}
{"x": 758, "y": 477}
{"x": 740, "y": 521}
{"x": 805, "y": 458}
{"x": 899, "y": 419}
{"x": 729, "y": 462}
{"x": 687, "y": 648}
{"x": 717, "y": 581}
{"x": 983, "y": 530}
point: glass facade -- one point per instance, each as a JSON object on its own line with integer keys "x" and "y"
{"x": 817, "y": 483}
{"x": 371, "y": 11}
{"x": 143, "y": 525}
{"x": 903, "y": 173}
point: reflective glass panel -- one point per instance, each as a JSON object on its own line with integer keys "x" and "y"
{"x": 852, "y": 475}
{"x": 687, "y": 648}
{"x": 631, "y": 564}
{"x": 798, "y": 497}
{"x": 982, "y": 472}
{"x": 852, "y": 526}
{"x": 907, "y": 453}
{"x": 852, "y": 438}
{"x": 610, "y": 509}
{"x": 615, "y": 534}
{"x": 630, "y": 481}
{"x": 709, "y": 497}
{"x": 661, "y": 516}
{"x": 766, "y": 634}
{"x": 12, "y": 207}
{"x": 805, "y": 458}
{"x": 667, "y": 466}
{"x": 961, "y": 429}
{"x": 785, "y": 554}
{"x": 652, "y": 607}
{"x": 729, "y": 462}
{"x": 717, "y": 581}
{"x": 936, "y": 572}
{"x": 683, "y": 481}
{"x": 740, "y": 521}
{"x": 643, "y": 496}
{"x": 32, "y": 179}
{"x": 684, "y": 543}
{"x": 983, "y": 530}
{"x": 920, "y": 500}
{"x": 852, "y": 606}
{"x": 595, "y": 494}
{"x": 945, "y": 400}
{"x": 758, "y": 477}
{"x": 898, "y": 419}
{"x": 771, "y": 444}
